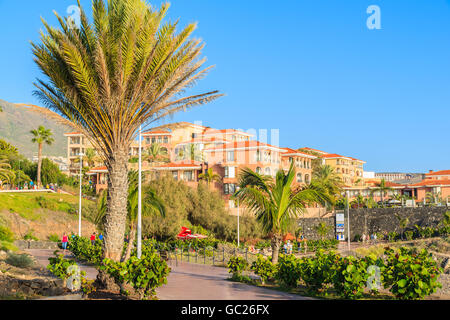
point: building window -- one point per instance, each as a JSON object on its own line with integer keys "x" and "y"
{"x": 258, "y": 170}
{"x": 230, "y": 172}
{"x": 267, "y": 171}
{"x": 229, "y": 188}
{"x": 230, "y": 156}
{"x": 307, "y": 178}
{"x": 166, "y": 139}
{"x": 258, "y": 156}
{"x": 188, "y": 175}
{"x": 175, "y": 175}
{"x": 153, "y": 140}
{"x": 299, "y": 177}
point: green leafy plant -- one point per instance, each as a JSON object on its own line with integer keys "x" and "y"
{"x": 288, "y": 270}
{"x": 30, "y": 236}
{"x": 59, "y": 266}
{"x": 53, "y": 237}
{"x": 144, "y": 275}
{"x": 318, "y": 271}
{"x": 411, "y": 274}
{"x": 350, "y": 277}
{"x": 236, "y": 265}
{"x": 6, "y": 234}
{"x": 264, "y": 268}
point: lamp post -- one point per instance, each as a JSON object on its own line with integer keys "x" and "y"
{"x": 79, "y": 204}
{"x": 139, "y": 217}
{"x": 348, "y": 218}
{"x": 237, "y": 189}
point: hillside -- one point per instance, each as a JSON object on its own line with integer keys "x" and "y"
{"x": 16, "y": 123}
{"x": 44, "y": 214}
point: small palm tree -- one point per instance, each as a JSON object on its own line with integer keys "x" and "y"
{"x": 382, "y": 188}
{"x": 326, "y": 178}
{"x": 322, "y": 229}
{"x": 40, "y": 136}
{"x": 151, "y": 205}
{"x": 275, "y": 203}
{"x": 7, "y": 175}
{"x": 209, "y": 176}
{"x": 155, "y": 152}
{"x": 90, "y": 157}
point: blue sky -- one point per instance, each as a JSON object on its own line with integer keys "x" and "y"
{"x": 311, "y": 69}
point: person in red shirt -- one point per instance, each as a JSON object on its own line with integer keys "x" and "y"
{"x": 65, "y": 240}
{"x": 93, "y": 238}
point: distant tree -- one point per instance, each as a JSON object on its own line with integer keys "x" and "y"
{"x": 7, "y": 149}
{"x": 41, "y": 136}
{"x": 209, "y": 176}
{"x": 6, "y": 173}
{"x": 382, "y": 188}
{"x": 155, "y": 152}
{"x": 322, "y": 229}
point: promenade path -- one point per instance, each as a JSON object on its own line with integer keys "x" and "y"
{"x": 193, "y": 282}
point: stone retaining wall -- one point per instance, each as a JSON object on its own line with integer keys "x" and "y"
{"x": 42, "y": 287}
{"x": 25, "y": 244}
{"x": 381, "y": 220}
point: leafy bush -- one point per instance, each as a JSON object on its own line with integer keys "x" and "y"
{"x": 318, "y": 271}
{"x": 350, "y": 277}
{"x": 144, "y": 275}
{"x": 59, "y": 266}
{"x": 7, "y": 246}
{"x": 83, "y": 249}
{"x": 411, "y": 274}
{"x": 19, "y": 260}
{"x": 288, "y": 270}
{"x": 53, "y": 237}
{"x": 237, "y": 265}
{"x": 264, "y": 268}
{"x": 6, "y": 234}
{"x": 409, "y": 235}
{"x": 46, "y": 203}
{"x": 30, "y": 236}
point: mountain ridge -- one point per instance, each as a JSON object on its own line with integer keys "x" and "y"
{"x": 17, "y": 121}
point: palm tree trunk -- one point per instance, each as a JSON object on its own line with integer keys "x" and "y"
{"x": 130, "y": 242}
{"x": 116, "y": 213}
{"x": 38, "y": 178}
{"x": 276, "y": 240}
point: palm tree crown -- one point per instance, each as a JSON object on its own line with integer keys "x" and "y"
{"x": 41, "y": 136}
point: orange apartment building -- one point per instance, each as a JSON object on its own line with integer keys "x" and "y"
{"x": 225, "y": 151}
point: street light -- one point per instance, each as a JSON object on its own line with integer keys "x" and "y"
{"x": 348, "y": 218}
{"x": 139, "y": 217}
{"x": 237, "y": 189}
{"x": 79, "y": 204}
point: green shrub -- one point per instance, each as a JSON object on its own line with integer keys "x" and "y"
{"x": 288, "y": 270}
{"x": 6, "y": 234}
{"x": 411, "y": 274}
{"x": 59, "y": 266}
{"x": 350, "y": 277}
{"x": 144, "y": 275}
{"x": 237, "y": 265}
{"x": 318, "y": 271}
{"x": 7, "y": 246}
{"x": 53, "y": 237}
{"x": 46, "y": 203}
{"x": 409, "y": 235}
{"x": 264, "y": 268}
{"x": 30, "y": 236}
{"x": 83, "y": 249}
{"x": 19, "y": 260}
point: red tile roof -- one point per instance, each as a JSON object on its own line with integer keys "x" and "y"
{"x": 334, "y": 155}
{"x": 431, "y": 182}
{"x": 72, "y": 133}
{"x": 438, "y": 173}
{"x": 315, "y": 150}
{"x": 156, "y": 132}
{"x": 178, "y": 165}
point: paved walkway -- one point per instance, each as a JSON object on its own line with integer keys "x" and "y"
{"x": 189, "y": 281}
{"x": 193, "y": 282}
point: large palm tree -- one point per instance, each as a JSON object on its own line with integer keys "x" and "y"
{"x": 275, "y": 203}
{"x": 40, "y": 136}
{"x": 382, "y": 188}
{"x": 209, "y": 176}
{"x": 108, "y": 78}
{"x": 151, "y": 205}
